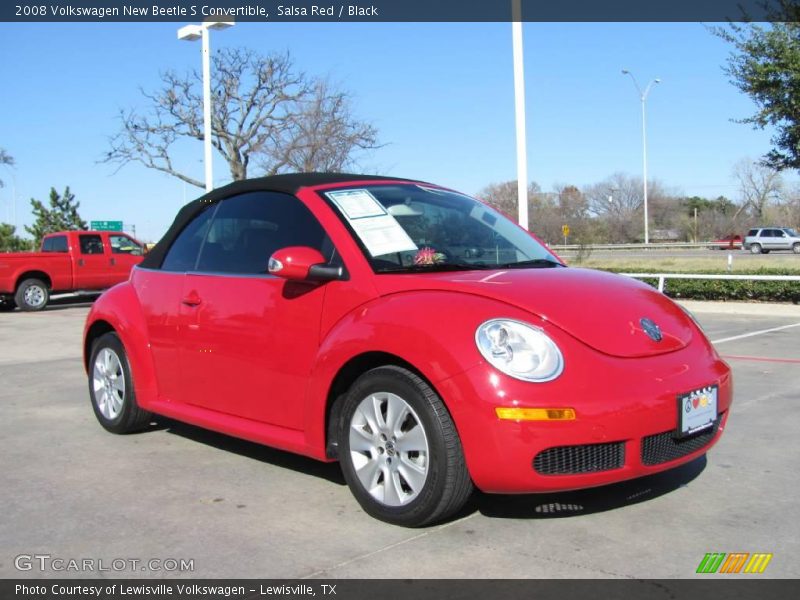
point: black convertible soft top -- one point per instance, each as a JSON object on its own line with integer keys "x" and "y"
{"x": 290, "y": 183}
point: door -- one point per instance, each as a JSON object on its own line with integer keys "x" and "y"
{"x": 248, "y": 340}
{"x": 91, "y": 263}
{"x": 125, "y": 253}
{"x": 159, "y": 291}
{"x": 773, "y": 239}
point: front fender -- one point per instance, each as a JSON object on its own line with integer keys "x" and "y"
{"x": 120, "y": 309}
{"x": 434, "y": 331}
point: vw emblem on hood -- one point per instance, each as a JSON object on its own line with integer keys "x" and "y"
{"x": 651, "y": 329}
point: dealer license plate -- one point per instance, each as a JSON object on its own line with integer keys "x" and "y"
{"x": 697, "y": 410}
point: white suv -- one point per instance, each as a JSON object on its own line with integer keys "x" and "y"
{"x": 764, "y": 239}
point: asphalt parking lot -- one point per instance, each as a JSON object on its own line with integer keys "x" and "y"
{"x": 72, "y": 491}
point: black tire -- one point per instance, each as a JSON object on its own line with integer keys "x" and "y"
{"x": 32, "y": 295}
{"x": 755, "y": 249}
{"x": 796, "y": 247}
{"x": 447, "y": 485}
{"x": 129, "y": 417}
{"x": 7, "y": 304}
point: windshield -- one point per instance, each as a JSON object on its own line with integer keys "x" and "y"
{"x": 415, "y": 228}
{"x": 791, "y": 232}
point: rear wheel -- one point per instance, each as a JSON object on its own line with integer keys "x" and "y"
{"x": 755, "y": 249}
{"x": 111, "y": 387}
{"x": 400, "y": 452}
{"x": 796, "y": 248}
{"x": 32, "y": 295}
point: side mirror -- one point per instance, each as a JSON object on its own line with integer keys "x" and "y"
{"x": 301, "y": 263}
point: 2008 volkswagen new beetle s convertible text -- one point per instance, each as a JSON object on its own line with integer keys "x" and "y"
{"x": 414, "y": 334}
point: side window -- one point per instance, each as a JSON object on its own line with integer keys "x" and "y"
{"x": 248, "y": 228}
{"x": 752, "y": 233}
{"x": 182, "y": 254}
{"x": 56, "y": 243}
{"x": 91, "y": 244}
{"x": 122, "y": 244}
{"x": 766, "y": 233}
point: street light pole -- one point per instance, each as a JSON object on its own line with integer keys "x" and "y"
{"x": 643, "y": 97}
{"x": 192, "y": 33}
{"x": 519, "y": 112}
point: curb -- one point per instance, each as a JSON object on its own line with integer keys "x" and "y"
{"x": 763, "y": 309}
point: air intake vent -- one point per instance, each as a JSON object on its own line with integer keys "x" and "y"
{"x": 589, "y": 458}
{"x": 663, "y": 447}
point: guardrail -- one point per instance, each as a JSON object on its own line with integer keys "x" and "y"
{"x": 662, "y": 277}
{"x": 659, "y": 246}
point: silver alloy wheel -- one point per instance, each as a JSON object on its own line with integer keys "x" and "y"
{"x": 34, "y": 296}
{"x": 109, "y": 383}
{"x": 389, "y": 449}
{"x": 755, "y": 249}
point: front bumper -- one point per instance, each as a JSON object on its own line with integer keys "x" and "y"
{"x": 626, "y": 414}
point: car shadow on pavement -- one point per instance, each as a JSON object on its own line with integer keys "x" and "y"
{"x": 302, "y": 464}
{"x": 588, "y": 501}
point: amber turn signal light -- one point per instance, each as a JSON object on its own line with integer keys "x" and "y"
{"x": 535, "y": 414}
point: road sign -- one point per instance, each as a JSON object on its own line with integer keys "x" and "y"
{"x": 565, "y": 230}
{"x": 106, "y": 225}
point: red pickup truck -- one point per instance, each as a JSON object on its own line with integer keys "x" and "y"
{"x": 69, "y": 261}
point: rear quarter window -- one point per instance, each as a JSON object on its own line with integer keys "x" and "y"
{"x": 55, "y": 243}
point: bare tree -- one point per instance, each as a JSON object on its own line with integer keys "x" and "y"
{"x": 322, "y": 136}
{"x": 759, "y": 185}
{"x": 263, "y": 109}
{"x": 504, "y": 197}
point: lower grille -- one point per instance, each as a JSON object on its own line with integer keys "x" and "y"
{"x": 663, "y": 447}
{"x": 588, "y": 458}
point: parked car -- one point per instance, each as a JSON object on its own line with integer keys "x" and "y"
{"x": 767, "y": 239}
{"x": 68, "y": 261}
{"x": 728, "y": 242}
{"x": 410, "y": 332}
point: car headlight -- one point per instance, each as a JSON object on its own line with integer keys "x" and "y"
{"x": 520, "y": 350}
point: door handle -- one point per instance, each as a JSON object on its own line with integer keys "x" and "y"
{"x": 113, "y": 261}
{"x": 192, "y": 300}
{"x": 80, "y": 262}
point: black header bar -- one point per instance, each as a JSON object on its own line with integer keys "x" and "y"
{"x": 373, "y": 11}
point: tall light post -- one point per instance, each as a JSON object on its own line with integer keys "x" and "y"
{"x": 643, "y": 97}
{"x": 13, "y": 195}
{"x": 519, "y": 114}
{"x": 192, "y": 33}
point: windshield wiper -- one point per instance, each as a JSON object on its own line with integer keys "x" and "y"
{"x": 536, "y": 263}
{"x": 436, "y": 268}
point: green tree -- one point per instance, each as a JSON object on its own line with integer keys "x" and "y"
{"x": 10, "y": 241}
{"x": 62, "y": 215}
{"x": 5, "y": 159}
{"x": 765, "y": 65}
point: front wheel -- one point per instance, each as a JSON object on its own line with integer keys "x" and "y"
{"x": 400, "y": 452}
{"x": 755, "y": 249}
{"x": 32, "y": 295}
{"x": 111, "y": 387}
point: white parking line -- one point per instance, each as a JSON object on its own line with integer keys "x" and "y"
{"x": 425, "y": 533}
{"x": 752, "y": 333}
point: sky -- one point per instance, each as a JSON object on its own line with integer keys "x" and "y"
{"x": 440, "y": 94}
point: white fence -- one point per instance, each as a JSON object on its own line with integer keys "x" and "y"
{"x": 662, "y": 277}
{"x": 659, "y": 246}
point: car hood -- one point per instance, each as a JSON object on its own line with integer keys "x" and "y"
{"x": 603, "y": 310}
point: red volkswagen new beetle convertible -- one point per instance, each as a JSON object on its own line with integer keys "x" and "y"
{"x": 412, "y": 333}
